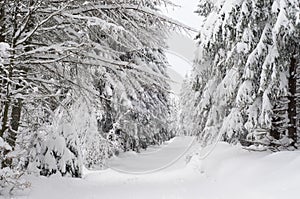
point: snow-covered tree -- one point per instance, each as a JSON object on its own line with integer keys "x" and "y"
{"x": 102, "y": 58}
{"x": 248, "y": 47}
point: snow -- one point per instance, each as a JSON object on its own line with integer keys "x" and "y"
{"x": 233, "y": 124}
{"x": 4, "y": 47}
{"x": 242, "y": 47}
{"x": 245, "y": 93}
{"x": 266, "y": 109}
{"x": 229, "y": 172}
{"x": 227, "y": 88}
{"x": 4, "y": 145}
{"x": 152, "y": 160}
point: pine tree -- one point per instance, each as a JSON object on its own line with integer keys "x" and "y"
{"x": 248, "y": 48}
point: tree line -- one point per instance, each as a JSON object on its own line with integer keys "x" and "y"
{"x": 245, "y": 85}
{"x": 80, "y": 81}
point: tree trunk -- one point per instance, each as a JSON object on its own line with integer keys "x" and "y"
{"x": 15, "y": 122}
{"x": 6, "y": 105}
{"x": 2, "y": 20}
{"x": 3, "y": 102}
{"x": 298, "y": 98}
{"x": 292, "y": 106}
{"x": 11, "y": 106}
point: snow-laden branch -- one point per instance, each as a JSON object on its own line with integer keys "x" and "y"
{"x": 137, "y": 8}
{"x": 25, "y": 38}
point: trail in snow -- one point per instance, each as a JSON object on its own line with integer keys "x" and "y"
{"x": 169, "y": 156}
{"x": 229, "y": 172}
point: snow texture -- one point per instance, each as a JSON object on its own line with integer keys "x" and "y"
{"x": 228, "y": 173}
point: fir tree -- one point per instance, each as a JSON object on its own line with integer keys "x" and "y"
{"x": 248, "y": 48}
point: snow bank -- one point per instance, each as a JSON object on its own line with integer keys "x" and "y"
{"x": 231, "y": 172}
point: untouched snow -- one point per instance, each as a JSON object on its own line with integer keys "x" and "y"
{"x": 227, "y": 173}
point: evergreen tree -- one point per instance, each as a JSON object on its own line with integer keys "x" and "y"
{"x": 248, "y": 49}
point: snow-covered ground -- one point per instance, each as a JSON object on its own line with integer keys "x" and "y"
{"x": 229, "y": 172}
{"x": 155, "y": 159}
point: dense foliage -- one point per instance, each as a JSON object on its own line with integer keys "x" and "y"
{"x": 245, "y": 83}
{"x": 80, "y": 80}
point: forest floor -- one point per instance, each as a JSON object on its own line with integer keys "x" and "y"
{"x": 229, "y": 172}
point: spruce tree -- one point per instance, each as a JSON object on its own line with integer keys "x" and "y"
{"x": 247, "y": 47}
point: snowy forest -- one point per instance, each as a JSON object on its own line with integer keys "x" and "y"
{"x": 83, "y": 82}
{"x": 246, "y": 80}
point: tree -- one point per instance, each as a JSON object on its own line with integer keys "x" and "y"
{"x": 248, "y": 48}
{"x": 104, "y": 58}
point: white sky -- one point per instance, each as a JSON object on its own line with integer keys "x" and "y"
{"x": 182, "y": 44}
{"x": 179, "y": 63}
{"x": 185, "y": 13}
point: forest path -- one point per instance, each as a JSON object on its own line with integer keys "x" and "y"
{"x": 229, "y": 172}
{"x": 170, "y": 155}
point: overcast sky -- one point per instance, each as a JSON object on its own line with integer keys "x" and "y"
{"x": 182, "y": 45}
{"x": 185, "y": 13}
